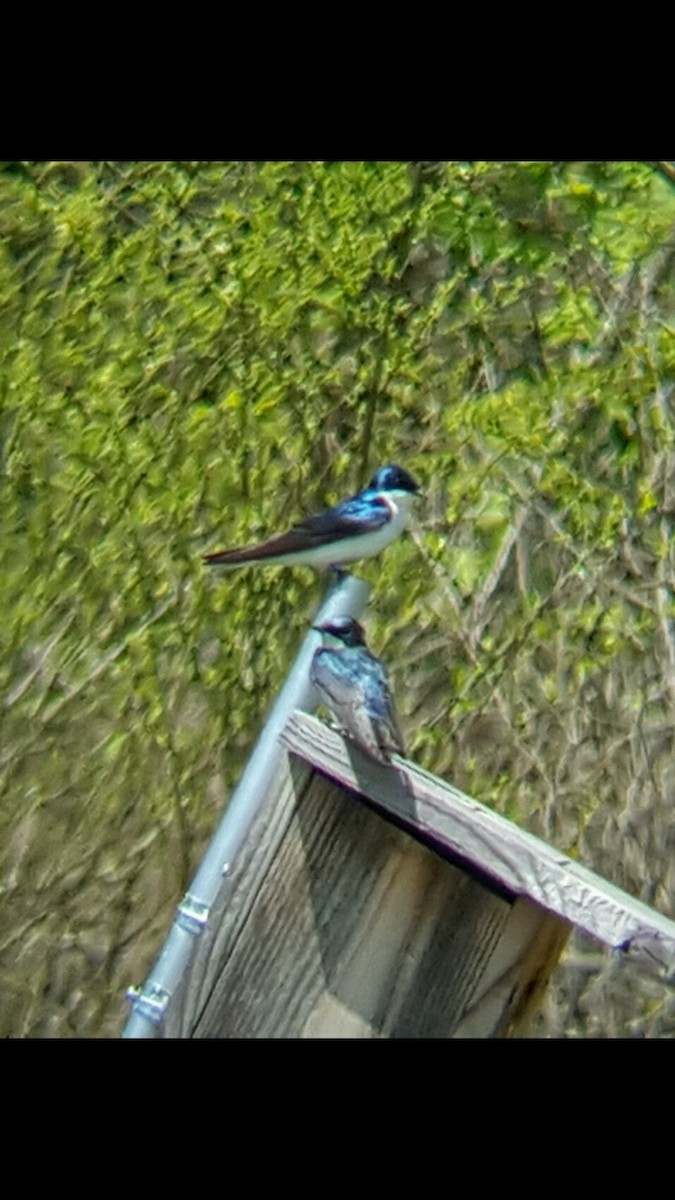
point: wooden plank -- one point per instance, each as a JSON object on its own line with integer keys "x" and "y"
{"x": 232, "y": 910}
{"x": 335, "y": 923}
{"x": 517, "y": 975}
{"x": 488, "y": 843}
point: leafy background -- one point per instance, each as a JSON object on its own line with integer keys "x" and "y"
{"x": 193, "y": 354}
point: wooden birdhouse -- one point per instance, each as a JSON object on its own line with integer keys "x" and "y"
{"x": 345, "y": 898}
{"x": 377, "y": 901}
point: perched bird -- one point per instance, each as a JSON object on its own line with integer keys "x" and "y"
{"x": 354, "y": 686}
{"x": 355, "y": 528}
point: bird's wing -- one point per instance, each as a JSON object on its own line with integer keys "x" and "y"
{"x": 381, "y": 710}
{"x": 348, "y": 519}
{"x": 361, "y": 514}
{"x": 389, "y": 734}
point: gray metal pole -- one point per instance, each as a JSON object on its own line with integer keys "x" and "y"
{"x": 149, "y": 1003}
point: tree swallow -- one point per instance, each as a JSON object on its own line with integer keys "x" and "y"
{"x": 354, "y": 686}
{"x": 355, "y": 528}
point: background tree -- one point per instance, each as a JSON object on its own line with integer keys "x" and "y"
{"x": 192, "y": 355}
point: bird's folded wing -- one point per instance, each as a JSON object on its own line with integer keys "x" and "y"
{"x": 348, "y": 519}
{"x": 381, "y": 709}
{"x": 394, "y": 738}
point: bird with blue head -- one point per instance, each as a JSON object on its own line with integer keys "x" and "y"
{"x": 356, "y": 528}
{"x": 354, "y": 686}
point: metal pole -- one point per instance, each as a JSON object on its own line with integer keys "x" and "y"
{"x": 149, "y": 1003}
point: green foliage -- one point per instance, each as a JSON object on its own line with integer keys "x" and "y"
{"x": 193, "y": 354}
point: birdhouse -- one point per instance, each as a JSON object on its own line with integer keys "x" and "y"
{"x": 345, "y": 897}
{"x": 377, "y": 901}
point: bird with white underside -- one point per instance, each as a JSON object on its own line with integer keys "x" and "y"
{"x": 357, "y": 528}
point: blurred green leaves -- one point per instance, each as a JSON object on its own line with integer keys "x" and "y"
{"x": 193, "y": 354}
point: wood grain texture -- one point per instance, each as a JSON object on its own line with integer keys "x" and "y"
{"x": 491, "y": 845}
{"x": 336, "y": 923}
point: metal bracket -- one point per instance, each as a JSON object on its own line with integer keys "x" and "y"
{"x": 192, "y": 915}
{"x": 150, "y": 1002}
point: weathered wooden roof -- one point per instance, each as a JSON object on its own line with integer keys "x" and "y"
{"x": 491, "y": 846}
{"x": 378, "y": 901}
